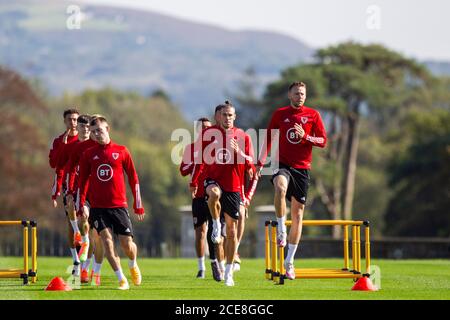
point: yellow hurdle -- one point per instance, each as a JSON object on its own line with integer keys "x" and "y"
{"x": 278, "y": 271}
{"x": 367, "y": 255}
{"x": 268, "y": 273}
{"x": 346, "y": 248}
{"x": 24, "y": 273}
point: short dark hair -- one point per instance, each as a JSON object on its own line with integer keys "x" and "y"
{"x": 297, "y": 84}
{"x": 96, "y": 119}
{"x": 203, "y": 119}
{"x": 84, "y": 118}
{"x": 70, "y": 111}
{"x": 227, "y": 103}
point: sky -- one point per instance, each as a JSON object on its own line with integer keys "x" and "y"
{"x": 418, "y": 29}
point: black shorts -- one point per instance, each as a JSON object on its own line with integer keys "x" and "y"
{"x": 298, "y": 182}
{"x": 117, "y": 219}
{"x": 200, "y": 211}
{"x": 229, "y": 201}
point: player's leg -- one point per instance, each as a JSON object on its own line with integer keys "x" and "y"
{"x": 199, "y": 207}
{"x": 84, "y": 230}
{"x": 114, "y": 261}
{"x": 200, "y": 237}
{"x": 212, "y": 251}
{"x": 240, "y": 234}
{"x": 220, "y": 247}
{"x": 295, "y": 234}
{"x": 230, "y": 248}
{"x": 123, "y": 227}
{"x": 72, "y": 215}
{"x": 73, "y": 249}
{"x": 214, "y": 193}
{"x": 280, "y": 183}
{"x": 98, "y": 258}
{"x": 86, "y": 248}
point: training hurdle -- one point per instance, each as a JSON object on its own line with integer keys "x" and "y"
{"x": 24, "y": 273}
{"x": 274, "y": 255}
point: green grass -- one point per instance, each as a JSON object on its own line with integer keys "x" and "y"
{"x": 174, "y": 279}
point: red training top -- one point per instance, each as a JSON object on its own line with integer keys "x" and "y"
{"x": 101, "y": 171}
{"x": 54, "y": 151}
{"x": 221, "y": 162}
{"x": 187, "y": 167}
{"x": 293, "y": 151}
{"x": 73, "y": 165}
{"x": 64, "y": 154}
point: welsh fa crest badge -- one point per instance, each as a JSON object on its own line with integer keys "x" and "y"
{"x": 115, "y": 155}
{"x": 304, "y": 120}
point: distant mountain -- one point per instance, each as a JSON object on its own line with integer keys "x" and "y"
{"x": 138, "y": 50}
{"x": 439, "y": 68}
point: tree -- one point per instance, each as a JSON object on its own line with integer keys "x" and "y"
{"x": 247, "y": 99}
{"x": 420, "y": 178}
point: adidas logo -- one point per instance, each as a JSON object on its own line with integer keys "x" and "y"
{"x": 287, "y": 120}
{"x": 96, "y": 158}
{"x": 128, "y": 230}
{"x": 303, "y": 198}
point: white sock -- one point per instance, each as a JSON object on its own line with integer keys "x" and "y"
{"x": 228, "y": 269}
{"x": 85, "y": 238}
{"x": 222, "y": 265}
{"x": 282, "y": 223}
{"x": 292, "y": 248}
{"x": 132, "y": 263}
{"x": 96, "y": 267}
{"x": 74, "y": 224}
{"x": 201, "y": 263}
{"x": 86, "y": 264}
{"x": 213, "y": 260}
{"x": 216, "y": 223}
{"x": 119, "y": 274}
{"x": 74, "y": 253}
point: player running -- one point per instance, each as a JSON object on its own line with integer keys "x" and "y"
{"x": 300, "y": 129}
{"x": 200, "y": 211}
{"x": 92, "y": 242}
{"x": 58, "y": 155}
{"x": 102, "y": 170}
{"x": 227, "y": 150}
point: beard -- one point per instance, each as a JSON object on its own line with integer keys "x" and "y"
{"x": 297, "y": 104}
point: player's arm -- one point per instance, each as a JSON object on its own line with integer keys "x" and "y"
{"x": 267, "y": 145}
{"x": 319, "y": 136}
{"x": 83, "y": 181}
{"x": 53, "y": 153}
{"x": 59, "y": 174}
{"x": 133, "y": 181}
{"x": 198, "y": 166}
{"x": 72, "y": 171}
{"x": 187, "y": 163}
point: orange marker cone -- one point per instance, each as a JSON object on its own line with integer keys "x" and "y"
{"x": 364, "y": 284}
{"x": 58, "y": 284}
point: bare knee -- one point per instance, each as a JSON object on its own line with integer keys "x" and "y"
{"x": 214, "y": 194}
{"x": 281, "y": 189}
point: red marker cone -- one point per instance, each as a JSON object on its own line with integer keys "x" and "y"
{"x": 364, "y": 284}
{"x": 58, "y": 284}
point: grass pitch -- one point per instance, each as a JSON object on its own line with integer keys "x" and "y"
{"x": 169, "y": 279}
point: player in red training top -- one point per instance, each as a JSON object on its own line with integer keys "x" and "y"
{"x": 58, "y": 156}
{"x": 91, "y": 239}
{"x": 200, "y": 211}
{"x": 227, "y": 150}
{"x": 300, "y": 128}
{"x": 102, "y": 170}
